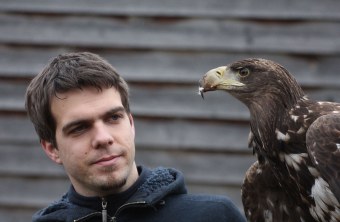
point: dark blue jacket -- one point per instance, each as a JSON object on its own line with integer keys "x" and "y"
{"x": 158, "y": 195}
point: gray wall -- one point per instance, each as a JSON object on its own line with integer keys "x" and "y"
{"x": 161, "y": 48}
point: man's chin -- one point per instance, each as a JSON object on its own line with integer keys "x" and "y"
{"x": 110, "y": 186}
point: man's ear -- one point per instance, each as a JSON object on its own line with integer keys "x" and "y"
{"x": 51, "y": 151}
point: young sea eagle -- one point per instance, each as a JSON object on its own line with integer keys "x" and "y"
{"x": 296, "y": 140}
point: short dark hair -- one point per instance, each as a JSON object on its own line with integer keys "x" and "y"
{"x": 63, "y": 73}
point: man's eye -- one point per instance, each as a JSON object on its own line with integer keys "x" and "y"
{"x": 78, "y": 129}
{"x": 116, "y": 116}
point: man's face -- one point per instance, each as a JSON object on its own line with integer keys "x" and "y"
{"x": 95, "y": 141}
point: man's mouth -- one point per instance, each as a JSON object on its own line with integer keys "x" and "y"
{"x": 107, "y": 160}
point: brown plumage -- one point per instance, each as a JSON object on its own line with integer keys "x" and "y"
{"x": 292, "y": 179}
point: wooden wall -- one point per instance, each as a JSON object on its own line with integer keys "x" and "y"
{"x": 161, "y": 48}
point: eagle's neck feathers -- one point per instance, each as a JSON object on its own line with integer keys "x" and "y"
{"x": 270, "y": 108}
{"x": 269, "y": 118}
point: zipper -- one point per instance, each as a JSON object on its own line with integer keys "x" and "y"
{"x": 87, "y": 216}
{"x": 103, "y": 213}
{"x": 104, "y": 210}
{"x": 114, "y": 218}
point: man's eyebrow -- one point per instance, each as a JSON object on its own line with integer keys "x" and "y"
{"x": 114, "y": 110}
{"x": 87, "y": 121}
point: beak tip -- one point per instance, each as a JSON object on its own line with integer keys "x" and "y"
{"x": 201, "y": 92}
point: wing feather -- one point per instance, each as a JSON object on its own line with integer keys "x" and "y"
{"x": 264, "y": 200}
{"x": 323, "y": 144}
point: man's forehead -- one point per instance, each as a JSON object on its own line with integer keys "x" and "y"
{"x": 88, "y": 101}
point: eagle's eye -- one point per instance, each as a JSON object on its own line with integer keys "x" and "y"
{"x": 244, "y": 72}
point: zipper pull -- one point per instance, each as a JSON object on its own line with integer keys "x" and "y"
{"x": 104, "y": 211}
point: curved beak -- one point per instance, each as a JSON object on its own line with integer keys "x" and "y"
{"x": 221, "y": 78}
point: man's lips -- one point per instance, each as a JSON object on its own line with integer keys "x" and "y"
{"x": 108, "y": 160}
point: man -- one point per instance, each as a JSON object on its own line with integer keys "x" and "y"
{"x": 79, "y": 106}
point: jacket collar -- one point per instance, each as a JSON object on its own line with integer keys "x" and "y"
{"x": 115, "y": 200}
{"x": 150, "y": 187}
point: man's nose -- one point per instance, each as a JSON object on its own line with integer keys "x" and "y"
{"x": 102, "y": 136}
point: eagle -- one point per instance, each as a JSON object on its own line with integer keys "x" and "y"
{"x": 296, "y": 141}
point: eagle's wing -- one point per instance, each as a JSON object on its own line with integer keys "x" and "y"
{"x": 323, "y": 144}
{"x": 264, "y": 199}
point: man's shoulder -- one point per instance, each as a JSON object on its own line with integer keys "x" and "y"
{"x": 59, "y": 210}
{"x": 214, "y": 207}
{"x": 207, "y": 200}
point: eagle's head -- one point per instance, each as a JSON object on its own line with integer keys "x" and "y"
{"x": 253, "y": 81}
